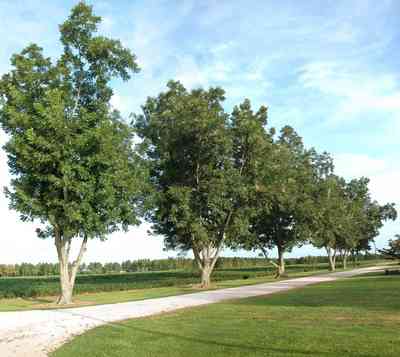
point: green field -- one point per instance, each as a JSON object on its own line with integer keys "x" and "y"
{"x": 40, "y": 292}
{"x": 147, "y": 286}
{"x": 27, "y": 287}
{"x": 49, "y": 286}
{"x": 350, "y": 318}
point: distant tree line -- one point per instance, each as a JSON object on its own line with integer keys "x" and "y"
{"x": 143, "y": 265}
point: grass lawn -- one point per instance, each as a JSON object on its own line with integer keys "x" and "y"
{"x": 351, "y": 317}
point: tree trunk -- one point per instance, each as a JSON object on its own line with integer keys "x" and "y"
{"x": 281, "y": 262}
{"x": 332, "y": 259}
{"x": 205, "y": 277}
{"x": 66, "y": 287}
{"x": 206, "y": 259}
{"x": 355, "y": 258}
{"x": 345, "y": 256}
{"x": 67, "y": 273}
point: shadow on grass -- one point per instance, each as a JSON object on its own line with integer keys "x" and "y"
{"x": 41, "y": 300}
{"x": 247, "y": 349}
{"x": 235, "y": 346}
{"x": 371, "y": 292}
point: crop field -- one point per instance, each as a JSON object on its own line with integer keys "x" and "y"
{"x": 30, "y": 287}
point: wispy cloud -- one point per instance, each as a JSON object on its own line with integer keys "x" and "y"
{"x": 355, "y": 92}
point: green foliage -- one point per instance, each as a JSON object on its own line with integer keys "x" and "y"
{"x": 202, "y": 164}
{"x": 283, "y": 198}
{"x": 393, "y": 252}
{"x": 346, "y": 218}
{"x": 70, "y": 154}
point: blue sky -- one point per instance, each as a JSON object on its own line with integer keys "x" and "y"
{"x": 331, "y": 69}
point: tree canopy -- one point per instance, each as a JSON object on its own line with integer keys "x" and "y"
{"x": 70, "y": 154}
{"x": 202, "y": 163}
{"x": 282, "y": 200}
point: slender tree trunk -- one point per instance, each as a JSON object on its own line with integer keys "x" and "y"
{"x": 355, "y": 258}
{"x": 264, "y": 251}
{"x": 344, "y": 261}
{"x": 67, "y": 273}
{"x": 332, "y": 258}
{"x": 281, "y": 262}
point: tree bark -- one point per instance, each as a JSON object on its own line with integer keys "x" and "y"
{"x": 281, "y": 262}
{"x": 67, "y": 273}
{"x": 344, "y": 258}
{"x": 206, "y": 259}
{"x": 332, "y": 258}
{"x": 345, "y": 261}
{"x": 205, "y": 277}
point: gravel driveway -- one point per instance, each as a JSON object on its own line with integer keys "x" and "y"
{"x": 35, "y": 333}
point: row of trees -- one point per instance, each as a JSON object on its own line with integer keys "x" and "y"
{"x": 205, "y": 178}
{"x": 170, "y": 264}
{"x": 221, "y": 179}
{"x": 29, "y": 269}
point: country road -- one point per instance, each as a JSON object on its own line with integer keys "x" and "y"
{"x": 36, "y": 333}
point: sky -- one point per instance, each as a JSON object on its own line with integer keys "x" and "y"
{"x": 330, "y": 69}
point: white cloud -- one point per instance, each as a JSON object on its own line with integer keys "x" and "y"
{"x": 356, "y": 92}
{"x": 223, "y": 47}
{"x": 190, "y": 74}
{"x": 384, "y": 175}
{"x": 356, "y": 165}
{"x": 121, "y": 103}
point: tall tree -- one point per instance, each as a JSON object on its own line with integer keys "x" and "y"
{"x": 201, "y": 161}
{"x": 328, "y": 206}
{"x": 345, "y": 217}
{"x": 282, "y": 199}
{"x": 70, "y": 154}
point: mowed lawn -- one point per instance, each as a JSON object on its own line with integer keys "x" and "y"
{"x": 352, "y": 317}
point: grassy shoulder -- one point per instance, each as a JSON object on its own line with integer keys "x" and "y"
{"x": 351, "y": 317}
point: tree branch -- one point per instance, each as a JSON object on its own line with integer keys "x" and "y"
{"x": 76, "y": 263}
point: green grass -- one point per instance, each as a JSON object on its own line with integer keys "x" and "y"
{"x": 357, "y": 317}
